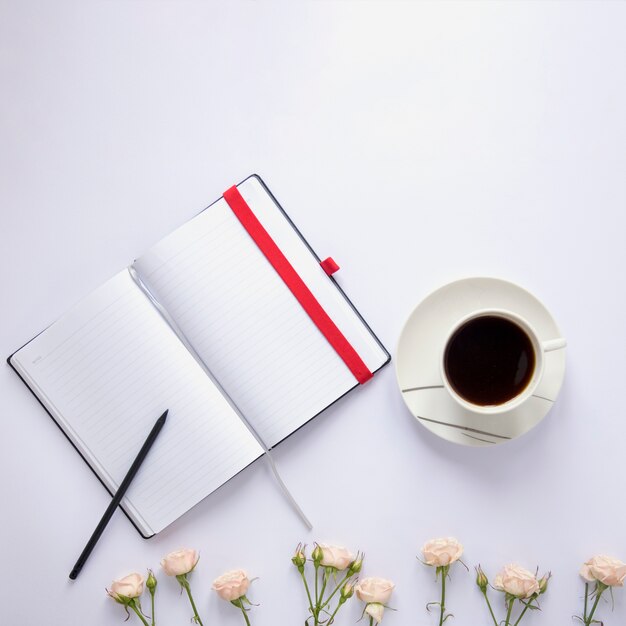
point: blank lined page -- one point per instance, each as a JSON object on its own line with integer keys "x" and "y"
{"x": 245, "y": 323}
{"x": 106, "y": 371}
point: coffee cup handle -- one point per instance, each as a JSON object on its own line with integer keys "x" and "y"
{"x": 553, "y": 344}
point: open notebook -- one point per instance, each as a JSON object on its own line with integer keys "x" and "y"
{"x": 203, "y": 325}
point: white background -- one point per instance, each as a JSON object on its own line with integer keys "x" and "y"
{"x": 417, "y": 144}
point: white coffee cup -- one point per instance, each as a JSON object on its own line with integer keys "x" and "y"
{"x": 539, "y": 348}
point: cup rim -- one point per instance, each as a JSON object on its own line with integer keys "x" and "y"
{"x": 515, "y": 401}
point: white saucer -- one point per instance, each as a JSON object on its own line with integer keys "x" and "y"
{"x": 419, "y": 355}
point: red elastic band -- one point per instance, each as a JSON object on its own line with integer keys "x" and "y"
{"x": 297, "y": 286}
{"x": 329, "y": 265}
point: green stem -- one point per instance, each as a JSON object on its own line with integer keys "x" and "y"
{"x": 185, "y": 583}
{"x": 337, "y": 588}
{"x": 493, "y": 617}
{"x": 152, "y": 606}
{"x": 308, "y": 592}
{"x": 325, "y": 580}
{"x": 586, "y": 598}
{"x": 371, "y": 621}
{"x": 318, "y": 600}
{"x": 442, "y": 606}
{"x": 526, "y": 607}
{"x": 508, "y": 613}
{"x": 133, "y": 606}
{"x": 332, "y": 617}
{"x": 316, "y": 595}
{"x": 599, "y": 592}
{"x": 245, "y": 613}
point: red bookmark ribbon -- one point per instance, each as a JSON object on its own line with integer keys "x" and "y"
{"x": 296, "y": 285}
{"x": 329, "y": 266}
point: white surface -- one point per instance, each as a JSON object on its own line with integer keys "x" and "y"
{"x": 422, "y": 379}
{"x": 417, "y": 144}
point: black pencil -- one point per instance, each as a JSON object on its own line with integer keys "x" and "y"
{"x": 117, "y": 498}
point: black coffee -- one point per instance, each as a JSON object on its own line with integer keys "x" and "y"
{"x": 489, "y": 360}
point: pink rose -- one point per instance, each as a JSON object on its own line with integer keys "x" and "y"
{"x": 609, "y": 571}
{"x": 232, "y": 585}
{"x": 130, "y": 586}
{"x": 179, "y": 562}
{"x": 374, "y": 590}
{"x": 336, "y": 556}
{"x": 516, "y": 581}
{"x": 442, "y": 551}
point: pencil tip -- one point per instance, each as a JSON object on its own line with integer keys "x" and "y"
{"x": 164, "y": 416}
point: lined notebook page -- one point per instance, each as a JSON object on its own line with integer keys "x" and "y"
{"x": 106, "y": 371}
{"x": 245, "y": 323}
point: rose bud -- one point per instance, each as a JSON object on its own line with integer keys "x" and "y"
{"x": 180, "y": 562}
{"x": 481, "y": 579}
{"x": 375, "y": 610}
{"x": 543, "y": 583}
{"x": 317, "y": 555}
{"x": 356, "y": 565}
{"x": 151, "y": 582}
{"x": 347, "y": 591}
{"x": 299, "y": 558}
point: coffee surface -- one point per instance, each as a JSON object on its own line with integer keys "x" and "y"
{"x": 489, "y": 360}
